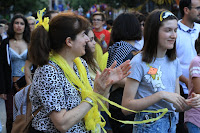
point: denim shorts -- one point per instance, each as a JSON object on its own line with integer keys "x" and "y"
{"x": 192, "y": 128}
{"x": 167, "y": 124}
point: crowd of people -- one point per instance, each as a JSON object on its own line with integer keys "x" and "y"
{"x": 77, "y": 69}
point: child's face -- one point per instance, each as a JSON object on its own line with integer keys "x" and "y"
{"x": 167, "y": 34}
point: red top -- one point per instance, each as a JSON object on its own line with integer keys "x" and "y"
{"x": 103, "y": 33}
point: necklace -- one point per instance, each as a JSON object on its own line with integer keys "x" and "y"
{"x": 15, "y": 40}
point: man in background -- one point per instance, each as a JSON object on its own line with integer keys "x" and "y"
{"x": 98, "y": 20}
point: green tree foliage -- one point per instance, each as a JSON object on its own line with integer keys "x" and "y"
{"x": 21, "y": 6}
{"x": 25, "y": 6}
{"x": 134, "y": 3}
{"x": 122, "y": 3}
{"x": 5, "y": 6}
{"x": 85, "y": 4}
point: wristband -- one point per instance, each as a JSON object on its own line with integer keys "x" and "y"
{"x": 88, "y": 100}
{"x": 104, "y": 44}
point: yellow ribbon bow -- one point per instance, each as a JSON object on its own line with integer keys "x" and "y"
{"x": 40, "y": 21}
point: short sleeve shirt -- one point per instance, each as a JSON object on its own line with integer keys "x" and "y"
{"x": 52, "y": 90}
{"x": 193, "y": 115}
{"x": 159, "y": 75}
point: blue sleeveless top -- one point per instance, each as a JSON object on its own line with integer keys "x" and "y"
{"x": 18, "y": 62}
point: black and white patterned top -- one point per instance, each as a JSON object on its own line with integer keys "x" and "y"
{"x": 119, "y": 52}
{"x": 52, "y": 90}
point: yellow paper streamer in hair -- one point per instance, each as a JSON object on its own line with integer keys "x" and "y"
{"x": 100, "y": 57}
{"x": 40, "y": 21}
{"x": 93, "y": 117}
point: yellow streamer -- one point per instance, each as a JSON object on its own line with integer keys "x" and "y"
{"x": 100, "y": 57}
{"x": 40, "y": 21}
{"x": 93, "y": 117}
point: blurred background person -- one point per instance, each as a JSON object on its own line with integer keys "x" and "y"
{"x": 6, "y": 25}
{"x": 31, "y": 22}
{"x": 50, "y": 14}
{"x": 126, "y": 29}
{"x": 109, "y": 24}
{"x": 98, "y": 21}
{"x": 141, "y": 18}
{"x": 1, "y": 32}
{"x": 2, "y": 95}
